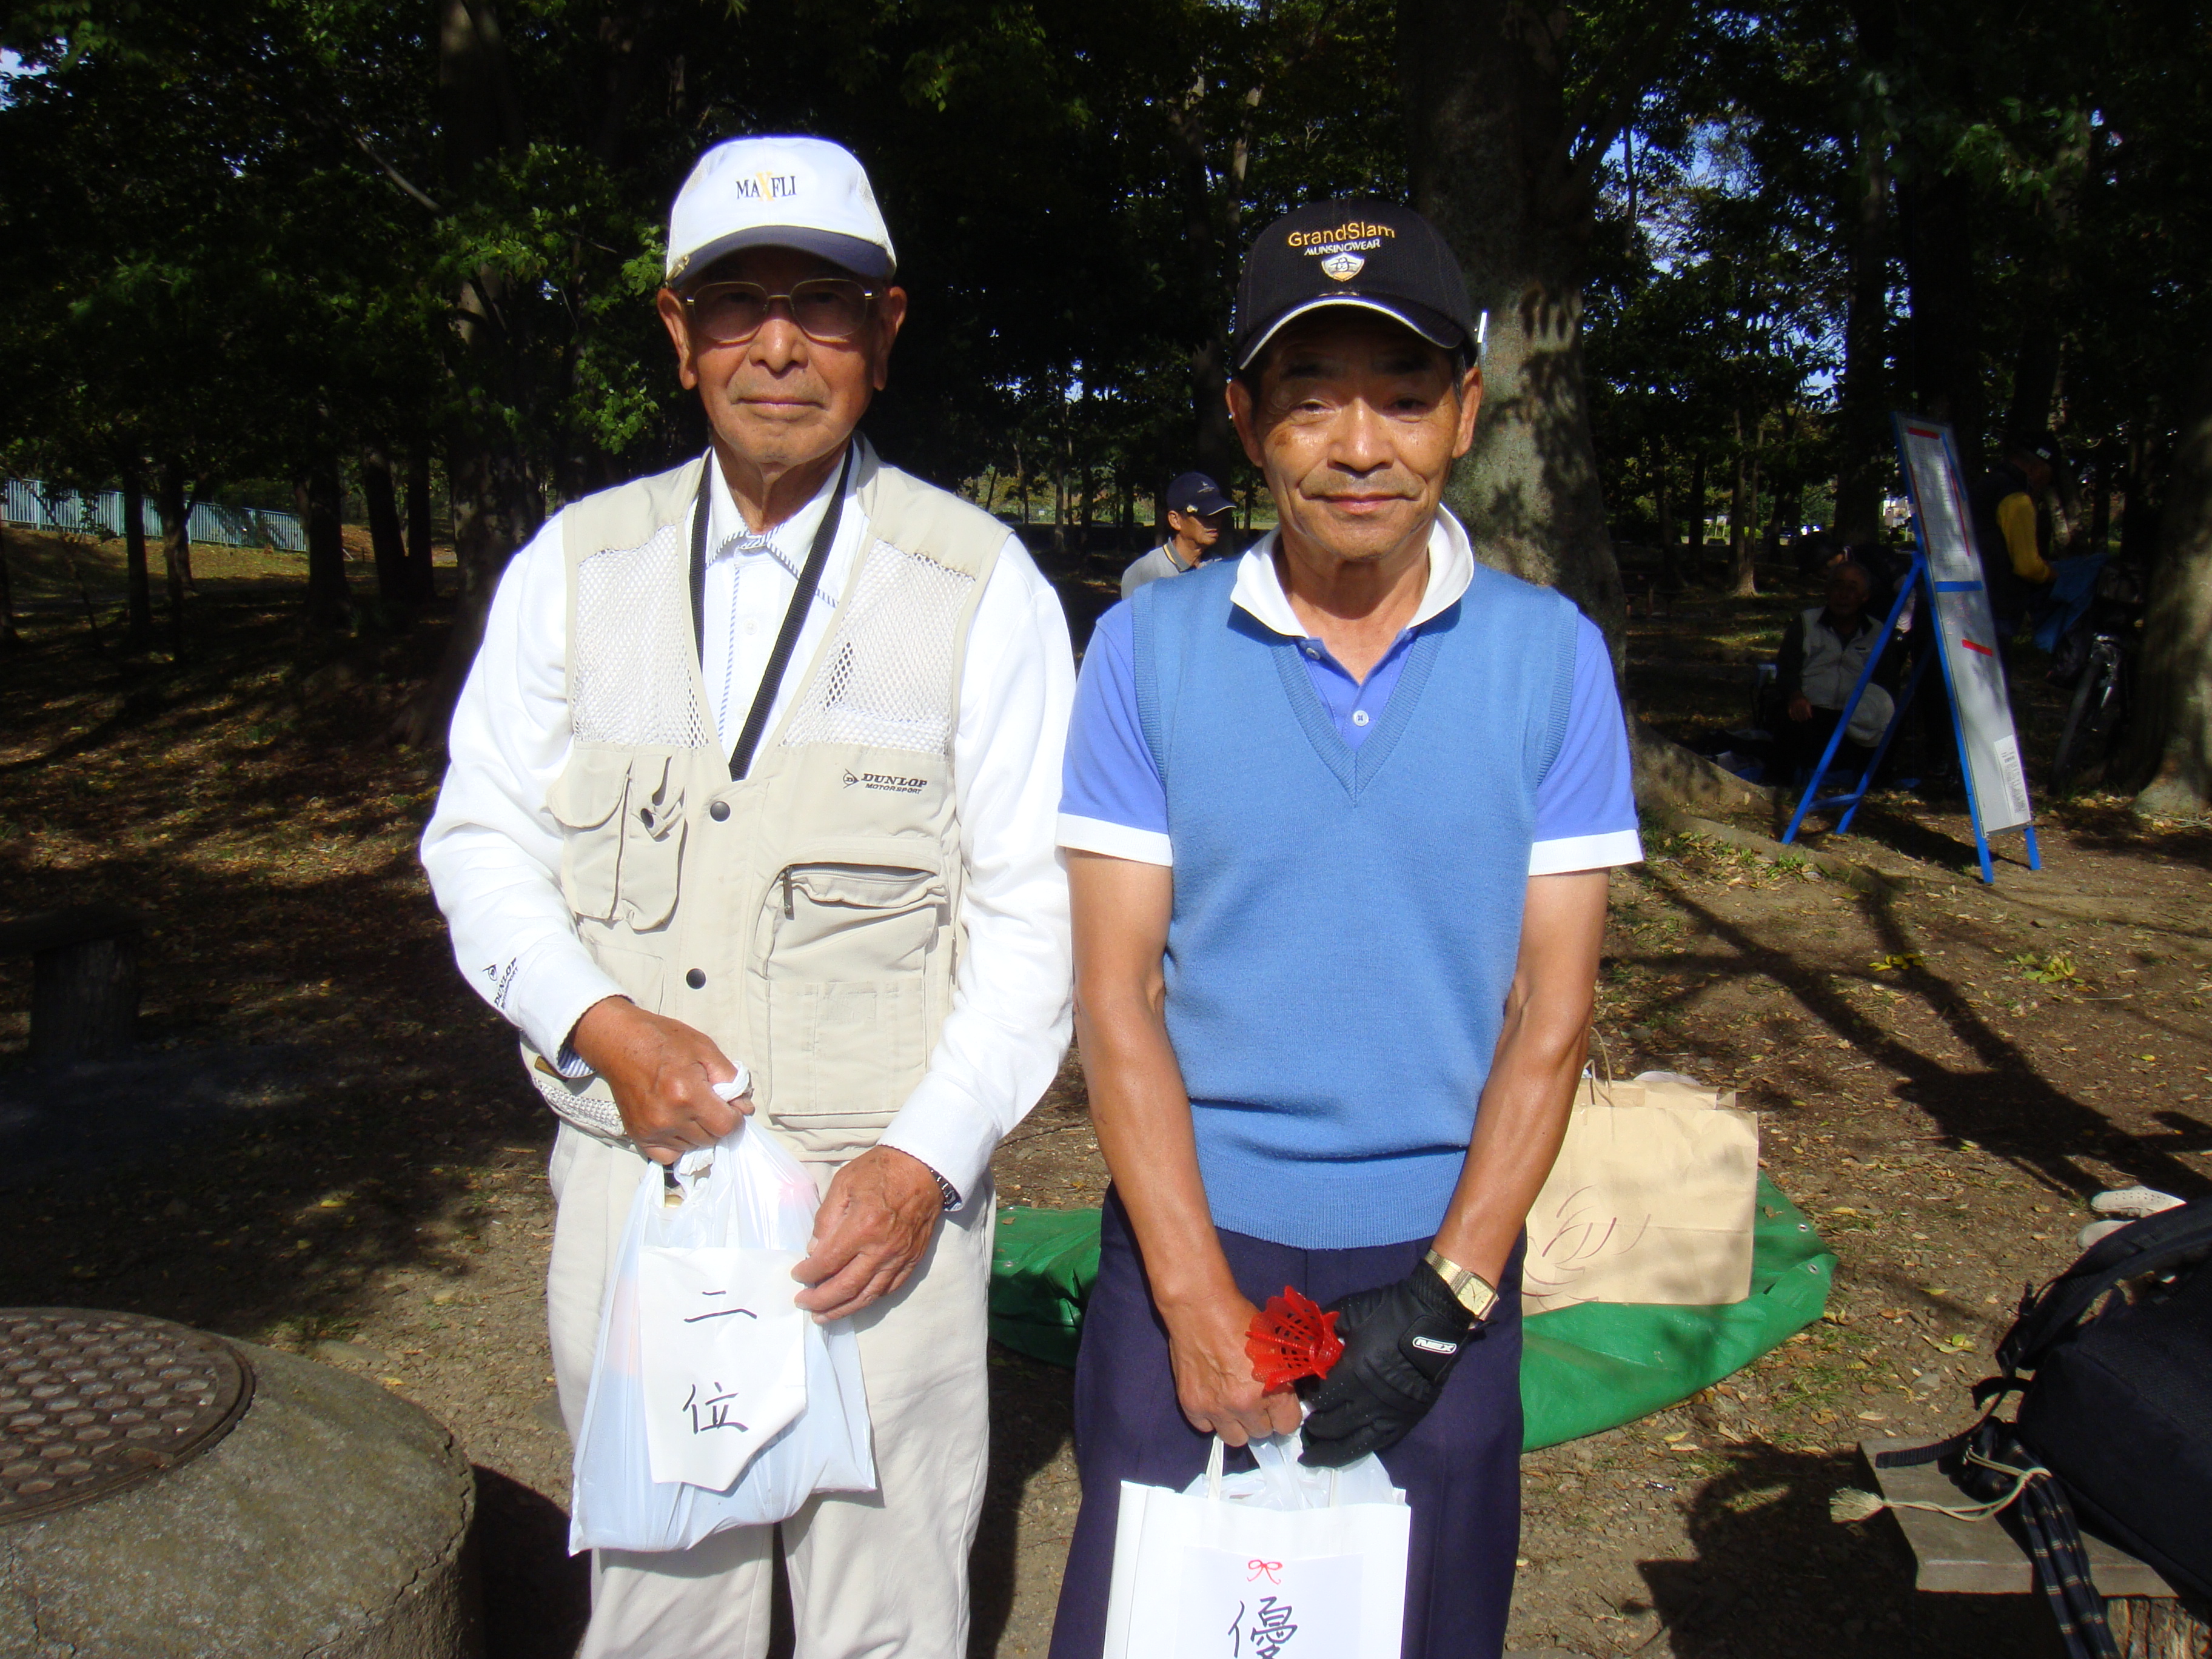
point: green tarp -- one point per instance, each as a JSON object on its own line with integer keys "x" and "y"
{"x": 1583, "y": 1369}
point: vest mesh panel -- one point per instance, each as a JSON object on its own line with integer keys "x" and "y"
{"x": 631, "y": 658}
{"x": 886, "y": 679}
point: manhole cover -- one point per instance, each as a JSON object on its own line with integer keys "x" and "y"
{"x": 91, "y": 1402}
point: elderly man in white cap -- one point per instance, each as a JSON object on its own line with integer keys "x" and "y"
{"x": 755, "y": 778}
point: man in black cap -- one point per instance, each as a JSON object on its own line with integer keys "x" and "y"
{"x": 1339, "y": 815}
{"x": 1198, "y": 517}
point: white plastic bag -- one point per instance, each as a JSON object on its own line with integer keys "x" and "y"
{"x": 795, "y": 1423}
{"x": 1279, "y": 1563}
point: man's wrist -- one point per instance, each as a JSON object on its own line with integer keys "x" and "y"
{"x": 1470, "y": 1292}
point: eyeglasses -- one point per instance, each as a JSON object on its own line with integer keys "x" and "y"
{"x": 826, "y": 308}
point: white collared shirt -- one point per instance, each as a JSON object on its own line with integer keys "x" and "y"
{"x": 1258, "y": 589}
{"x": 493, "y": 851}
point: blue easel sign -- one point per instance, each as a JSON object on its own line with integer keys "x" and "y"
{"x": 1947, "y": 573}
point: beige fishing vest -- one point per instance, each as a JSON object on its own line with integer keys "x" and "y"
{"x": 807, "y": 918}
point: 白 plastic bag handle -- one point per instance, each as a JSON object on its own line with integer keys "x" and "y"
{"x": 1219, "y": 1449}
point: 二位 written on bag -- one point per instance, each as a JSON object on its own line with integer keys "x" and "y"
{"x": 714, "y": 1401}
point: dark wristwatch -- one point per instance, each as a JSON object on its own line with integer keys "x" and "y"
{"x": 949, "y": 1193}
{"x": 1469, "y": 1288}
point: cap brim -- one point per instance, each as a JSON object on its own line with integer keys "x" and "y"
{"x": 1208, "y": 504}
{"x": 1432, "y": 325}
{"x": 864, "y": 259}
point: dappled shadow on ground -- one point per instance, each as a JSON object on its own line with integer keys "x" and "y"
{"x": 2109, "y": 825}
{"x": 1774, "y": 1578}
{"x": 2006, "y": 1105}
{"x": 268, "y": 841}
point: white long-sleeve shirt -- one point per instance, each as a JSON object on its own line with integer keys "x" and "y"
{"x": 493, "y": 851}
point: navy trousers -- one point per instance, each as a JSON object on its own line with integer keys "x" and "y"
{"x": 1459, "y": 1469}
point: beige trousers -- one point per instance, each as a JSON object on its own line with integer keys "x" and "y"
{"x": 872, "y": 1575}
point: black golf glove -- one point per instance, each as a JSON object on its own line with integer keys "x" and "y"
{"x": 1400, "y": 1342}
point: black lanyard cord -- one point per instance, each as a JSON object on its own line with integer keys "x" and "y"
{"x": 794, "y": 615}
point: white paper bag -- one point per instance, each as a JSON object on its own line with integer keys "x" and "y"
{"x": 741, "y": 1214}
{"x": 1281, "y": 1563}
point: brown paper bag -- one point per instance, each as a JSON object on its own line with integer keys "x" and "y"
{"x": 1652, "y": 1200}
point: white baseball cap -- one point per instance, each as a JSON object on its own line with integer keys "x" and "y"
{"x": 804, "y": 193}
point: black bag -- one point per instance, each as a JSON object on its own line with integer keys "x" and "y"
{"x": 2118, "y": 1405}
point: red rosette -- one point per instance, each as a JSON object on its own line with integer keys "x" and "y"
{"x": 1291, "y": 1338}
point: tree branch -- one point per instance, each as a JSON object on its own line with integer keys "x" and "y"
{"x": 390, "y": 172}
{"x": 1614, "y": 90}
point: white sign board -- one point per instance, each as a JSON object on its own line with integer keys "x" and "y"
{"x": 1964, "y": 625}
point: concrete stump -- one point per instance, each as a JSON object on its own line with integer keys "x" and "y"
{"x": 332, "y": 1521}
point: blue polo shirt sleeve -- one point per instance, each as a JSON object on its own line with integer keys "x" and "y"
{"x": 1586, "y": 804}
{"x": 1112, "y": 800}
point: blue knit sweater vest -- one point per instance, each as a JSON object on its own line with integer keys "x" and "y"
{"x": 1346, "y": 922}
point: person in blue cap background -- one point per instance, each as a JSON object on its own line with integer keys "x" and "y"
{"x": 1339, "y": 818}
{"x": 1198, "y": 517}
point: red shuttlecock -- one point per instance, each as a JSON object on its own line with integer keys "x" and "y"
{"x": 1291, "y": 1338}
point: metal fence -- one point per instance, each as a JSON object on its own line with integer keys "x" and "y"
{"x": 31, "y": 504}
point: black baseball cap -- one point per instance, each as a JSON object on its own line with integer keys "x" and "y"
{"x": 1194, "y": 494}
{"x": 2044, "y": 446}
{"x": 1354, "y": 251}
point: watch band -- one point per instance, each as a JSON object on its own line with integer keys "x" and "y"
{"x": 1469, "y": 1288}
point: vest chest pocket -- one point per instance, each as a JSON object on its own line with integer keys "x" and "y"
{"x": 851, "y": 950}
{"x": 623, "y": 815}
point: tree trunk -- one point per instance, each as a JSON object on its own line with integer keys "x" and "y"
{"x": 2172, "y": 743}
{"x": 1493, "y": 168}
{"x": 1698, "y": 516}
{"x": 8, "y": 641}
{"x": 1208, "y": 228}
{"x": 330, "y": 604}
{"x": 1862, "y": 415}
{"x": 1937, "y": 211}
{"x": 385, "y": 538}
{"x": 138, "y": 631}
{"x": 2043, "y": 296}
{"x": 495, "y": 504}
{"x": 2100, "y": 500}
{"x": 176, "y": 547}
{"x": 1662, "y": 502}
{"x": 1743, "y": 574}
{"x": 422, "y": 579}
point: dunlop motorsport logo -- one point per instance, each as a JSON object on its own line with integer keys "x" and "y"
{"x": 1342, "y": 249}
{"x": 885, "y": 780}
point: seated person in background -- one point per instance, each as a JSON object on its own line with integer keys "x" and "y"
{"x": 1198, "y": 517}
{"x": 1823, "y": 652}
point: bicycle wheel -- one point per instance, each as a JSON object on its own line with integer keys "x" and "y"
{"x": 2100, "y": 679}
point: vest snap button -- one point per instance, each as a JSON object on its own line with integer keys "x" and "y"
{"x": 696, "y": 979}
{"x": 719, "y": 811}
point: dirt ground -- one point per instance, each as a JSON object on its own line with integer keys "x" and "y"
{"x": 1945, "y": 1072}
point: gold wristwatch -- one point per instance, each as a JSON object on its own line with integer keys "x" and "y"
{"x": 1469, "y": 1288}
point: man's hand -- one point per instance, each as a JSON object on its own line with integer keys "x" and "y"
{"x": 879, "y": 1216}
{"x": 1400, "y": 1342}
{"x": 1801, "y": 707}
{"x": 1214, "y": 1384}
{"x": 662, "y": 1072}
